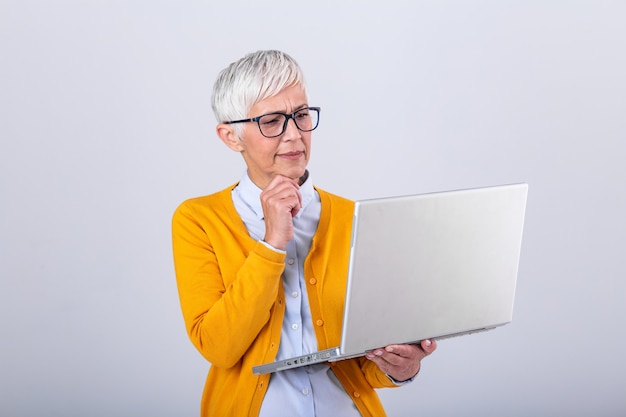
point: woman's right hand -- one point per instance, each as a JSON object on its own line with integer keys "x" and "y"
{"x": 281, "y": 201}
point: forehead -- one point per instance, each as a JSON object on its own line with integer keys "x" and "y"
{"x": 287, "y": 100}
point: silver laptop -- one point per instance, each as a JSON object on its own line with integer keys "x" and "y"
{"x": 427, "y": 266}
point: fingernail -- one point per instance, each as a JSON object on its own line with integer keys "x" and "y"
{"x": 427, "y": 342}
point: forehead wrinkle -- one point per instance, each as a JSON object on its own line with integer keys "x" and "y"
{"x": 285, "y": 105}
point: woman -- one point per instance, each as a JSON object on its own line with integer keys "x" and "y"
{"x": 261, "y": 266}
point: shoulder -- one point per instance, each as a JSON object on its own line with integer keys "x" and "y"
{"x": 334, "y": 199}
{"x": 335, "y": 208}
{"x": 220, "y": 201}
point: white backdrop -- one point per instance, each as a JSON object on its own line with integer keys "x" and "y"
{"x": 105, "y": 127}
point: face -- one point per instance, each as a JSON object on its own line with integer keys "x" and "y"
{"x": 287, "y": 154}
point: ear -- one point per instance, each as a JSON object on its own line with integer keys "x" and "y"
{"x": 227, "y": 134}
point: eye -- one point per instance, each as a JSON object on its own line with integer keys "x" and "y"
{"x": 271, "y": 120}
{"x": 303, "y": 114}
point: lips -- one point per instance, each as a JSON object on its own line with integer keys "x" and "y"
{"x": 291, "y": 155}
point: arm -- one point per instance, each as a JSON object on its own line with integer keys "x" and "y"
{"x": 227, "y": 283}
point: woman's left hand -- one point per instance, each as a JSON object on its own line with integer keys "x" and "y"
{"x": 402, "y": 362}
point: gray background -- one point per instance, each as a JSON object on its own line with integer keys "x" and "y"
{"x": 105, "y": 127}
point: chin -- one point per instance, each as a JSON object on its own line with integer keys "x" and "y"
{"x": 294, "y": 173}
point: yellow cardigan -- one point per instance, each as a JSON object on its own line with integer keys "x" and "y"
{"x": 233, "y": 304}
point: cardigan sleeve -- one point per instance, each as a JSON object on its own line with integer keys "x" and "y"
{"x": 227, "y": 282}
{"x": 374, "y": 376}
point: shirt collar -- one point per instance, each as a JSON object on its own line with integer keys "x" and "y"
{"x": 251, "y": 194}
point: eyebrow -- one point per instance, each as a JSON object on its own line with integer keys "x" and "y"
{"x": 300, "y": 107}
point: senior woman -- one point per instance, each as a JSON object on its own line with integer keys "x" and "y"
{"x": 261, "y": 266}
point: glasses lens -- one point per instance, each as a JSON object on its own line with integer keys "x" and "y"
{"x": 306, "y": 119}
{"x": 272, "y": 124}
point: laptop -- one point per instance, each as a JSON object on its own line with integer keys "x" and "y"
{"x": 428, "y": 266}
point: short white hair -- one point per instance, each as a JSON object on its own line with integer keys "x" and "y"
{"x": 251, "y": 79}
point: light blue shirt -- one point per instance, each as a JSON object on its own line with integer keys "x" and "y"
{"x": 310, "y": 391}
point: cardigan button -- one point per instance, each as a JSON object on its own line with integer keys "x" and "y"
{"x": 357, "y": 394}
{"x": 320, "y": 322}
{"x": 313, "y": 281}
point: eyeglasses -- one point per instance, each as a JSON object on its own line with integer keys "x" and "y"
{"x": 272, "y": 125}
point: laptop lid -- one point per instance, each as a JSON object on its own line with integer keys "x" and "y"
{"x": 432, "y": 266}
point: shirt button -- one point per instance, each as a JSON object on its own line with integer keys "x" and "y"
{"x": 305, "y": 391}
{"x": 294, "y": 294}
{"x": 294, "y": 326}
{"x": 291, "y": 261}
{"x": 313, "y": 281}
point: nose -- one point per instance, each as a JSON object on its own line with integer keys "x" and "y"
{"x": 291, "y": 130}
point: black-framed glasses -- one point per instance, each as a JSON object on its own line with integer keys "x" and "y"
{"x": 272, "y": 125}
